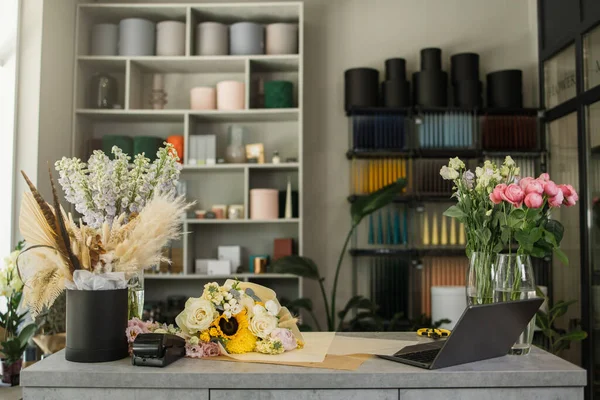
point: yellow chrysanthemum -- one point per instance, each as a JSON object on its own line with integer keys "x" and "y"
{"x": 300, "y": 344}
{"x": 213, "y": 331}
{"x": 244, "y": 342}
{"x": 229, "y": 328}
{"x": 205, "y": 337}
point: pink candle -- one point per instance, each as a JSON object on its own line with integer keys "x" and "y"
{"x": 231, "y": 95}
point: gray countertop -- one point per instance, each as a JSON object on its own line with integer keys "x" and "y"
{"x": 538, "y": 369}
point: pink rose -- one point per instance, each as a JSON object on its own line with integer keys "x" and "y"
{"x": 557, "y": 200}
{"x": 534, "y": 187}
{"x": 525, "y": 181}
{"x": 514, "y": 195}
{"x": 132, "y": 332}
{"x": 194, "y": 350}
{"x": 211, "y": 349}
{"x": 551, "y": 189}
{"x": 534, "y": 200}
{"x": 286, "y": 337}
{"x": 496, "y": 195}
{"x": 544, "y": 177}
{"x": 570, "y": 194}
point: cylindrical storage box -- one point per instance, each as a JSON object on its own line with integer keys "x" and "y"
{"x": 212, "y": 39}
{"x": 125, "y": 143}
{"x": 170, "y": 38}
{"x": 432, "y": 89}
{"x": 246, "y": 38}
{"x": 464, "y": 67}
{"x": 264, "y": 204}
{"x": 136, "y": 37}
{"x": 505, "y": 89}
{"x": 104, "y": 40}
{"x": 177, "y": 142}
{"x": 148, "y": 145}
{"x": 282, "y": 38}
{"x": 395, "y": 69}
{"x": 230, "y": 95}
{"x": 448, "y": 302}
{"x": 279, "y": 94}
{"x": 467, "y": 94}
{"x": 361, "y": 88}
{"x": 96, "y": 324}
{"x": 431, "y": 59}
{"x": 203, "y": 98}
{"x": 395, "y": 94}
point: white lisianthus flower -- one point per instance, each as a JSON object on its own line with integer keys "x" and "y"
{"x": 160, "y": 330}
{"x": 197, "y": 316}
{"x": 448, "y": 173}
{"x": 509, "y": 162}
{"x": 272, "y": 307}
{"x": 456, "y": 164}
{"x": 236, "y": 309}
{"x": 517, "y": 171}
{"x": 263, "y": 324}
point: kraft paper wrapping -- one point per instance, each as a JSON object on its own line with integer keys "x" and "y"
{"x": 339, "y": 354}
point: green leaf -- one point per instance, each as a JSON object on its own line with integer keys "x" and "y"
{"x": 297, "y": 265}
{"x": 305, "y": 328}
{"x": 548, "y": 332}
{"x": 366, "y": 205}
{"x": 573, "y": 336}
{"x": 302, "y": 303}
{"x": 455, "y": 212}
{"x": 556, "y": 229}
{"x": 358, "y": 302}
{"x": 560, "y": 308}
{"x": 542, "y": 320}
{"x": 561, "y": 256}
{"x": 27, "y": 333}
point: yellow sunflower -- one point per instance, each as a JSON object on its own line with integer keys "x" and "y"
{"x": 228, "y": 328}
{"x": 244, "y": 342}
{"x": 205, "y": 336}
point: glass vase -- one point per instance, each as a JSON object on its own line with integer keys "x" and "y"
{"x": 136, "y": 295}
{"x": 514, "y": 280}
{"x": 480, "y": 278}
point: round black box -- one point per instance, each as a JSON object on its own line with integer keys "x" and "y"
{"x": 505, "y": 89}
{"x": 464, "y": 67}
{"x": 395, "y": 69}
{"x": 395, "y": 94}
{"x": 431, "y": 59}
{"x": 431, "y": 89}
{"x": 361, "y": 88}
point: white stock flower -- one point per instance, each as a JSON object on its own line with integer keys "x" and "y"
{"x": 509, "y": 162}
{"x": 456, "y": 164}
{"x": 261, "y": 325}
{"x": 448, "y": 173}
{"x": 272, "y": 307}
{"x": 197, "y": 316}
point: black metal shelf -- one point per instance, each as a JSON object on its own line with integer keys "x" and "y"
{"x": 415, "y": 252}
{"x": 449, "y": 152}
{"x": 412, "y": 198}
{"x": 358, "y": 111}
{"x": 378, "y": 153}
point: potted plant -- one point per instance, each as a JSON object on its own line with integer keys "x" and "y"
{"x": 129, "y": 214}
{"x": 16, "y": 333}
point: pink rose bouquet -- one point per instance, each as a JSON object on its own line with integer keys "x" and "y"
{"x": 525, "y": 208}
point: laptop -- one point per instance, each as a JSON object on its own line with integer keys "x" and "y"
{"x": 482, "y": 332}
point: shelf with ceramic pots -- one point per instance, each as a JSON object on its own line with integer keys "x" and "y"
{"x": 245, "y": 277}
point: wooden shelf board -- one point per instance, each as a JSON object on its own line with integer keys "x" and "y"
{"x": 213, "y": 277}
{"x": 241, "y": 167}
{"x": 196, "y": 221}
{"x": 251, "y": 115}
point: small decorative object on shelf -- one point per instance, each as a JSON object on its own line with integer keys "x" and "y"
{"x": 276, "y": 159}
{"x": 279, "y": 94}
{"x": 158, "y": 98}
{"x": 264, "y": 204}
{"x": 235, "y": 152}
{"x": 15, "y": 333}
{"x": 288, "y": 200}
{"x": 231, "y": 95}
{"x": 203, "y": 98}
{"x": 170, "y": 38}
{"x": 255, "y": 153}
{"x": 105, "y": 40}
{"x": 234, "y": 318}
{"x": 282, "y": 38}
{"x": 246, "y": 38}
{"x": 235, "y": 211}
{"x": 103, "y": 91}
{"x": 136, "y": 37}
{"x": 128, "y": 222}
{"x": 212, "y": 39}
{"x": 177, "y": 142}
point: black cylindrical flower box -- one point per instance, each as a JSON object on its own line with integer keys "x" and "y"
{"x": 467, "y": 94}
{"x": 395, "y": 94}
{"x": 431, "y": 59}
{"x": 361, "y": 87}
{"x": 96, "y": 324}
{"x": 431, "y": 88}
{"x": 395, "y": 69}
{"x": 464, "y": 67}
{"x": 505, "y": 89}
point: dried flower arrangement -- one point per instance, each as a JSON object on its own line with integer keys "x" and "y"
{"x": 130, "y": 214}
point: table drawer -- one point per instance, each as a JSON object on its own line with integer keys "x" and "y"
{"x": 305, "y": 394}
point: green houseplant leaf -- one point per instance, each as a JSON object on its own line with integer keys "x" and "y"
{"x": 370, "y": 203}
{"x": 297, "y": 265}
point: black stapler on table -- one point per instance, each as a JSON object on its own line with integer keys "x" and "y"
{"x": 157, "y": 349}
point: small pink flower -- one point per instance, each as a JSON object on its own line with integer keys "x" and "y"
{"x": 570, "y": 194}
{"x": 496, "y": 195}
{"x": 557, "y": 200}
{"x": 514, "y": 195}
{"x": 286, "y": 337}
{"x": 525, "y": 181}
{"x": 551, "y": 189}
{"x": 534, "y": 187}
{"x": 544, "y": 177}
{"x": 132, "y": 332}
{"x": 136, "y": 322}
{"x": 211, "y": 349}
{"x": 534, "y": 200}
{"x": 194, "y": 351}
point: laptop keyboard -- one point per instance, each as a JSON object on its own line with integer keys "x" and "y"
{"x": 424, "y": 357}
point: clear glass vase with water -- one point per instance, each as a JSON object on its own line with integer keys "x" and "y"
{"x": 514, "y": 280}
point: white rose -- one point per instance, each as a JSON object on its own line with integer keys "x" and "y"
{"x": 272, "y": 307}
{"x": 263, "y": 324}
{"x": 258, "y": 310}
{"x": 197, "y": 315}
{"x": 236, "y": 309}
{"x": 248, "y": 303}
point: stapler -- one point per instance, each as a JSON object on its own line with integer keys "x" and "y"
{"x": 157, "y": 349}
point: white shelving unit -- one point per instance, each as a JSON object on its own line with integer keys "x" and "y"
{"x": 277, "y": 129}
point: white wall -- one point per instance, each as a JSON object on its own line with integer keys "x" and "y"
{"x": 341, "y": 34}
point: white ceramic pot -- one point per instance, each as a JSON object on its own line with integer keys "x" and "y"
{"x": 246, "y": 38}
{"x": 282, "y": 38}
{"x": 104, "y": 40}
{"x": 170, "y": 38}
{"x": 230, "y": 95}
{"x": 212, "y": 39}
{"x": 447, "y": 302}
{"x": 136, "y": 37}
